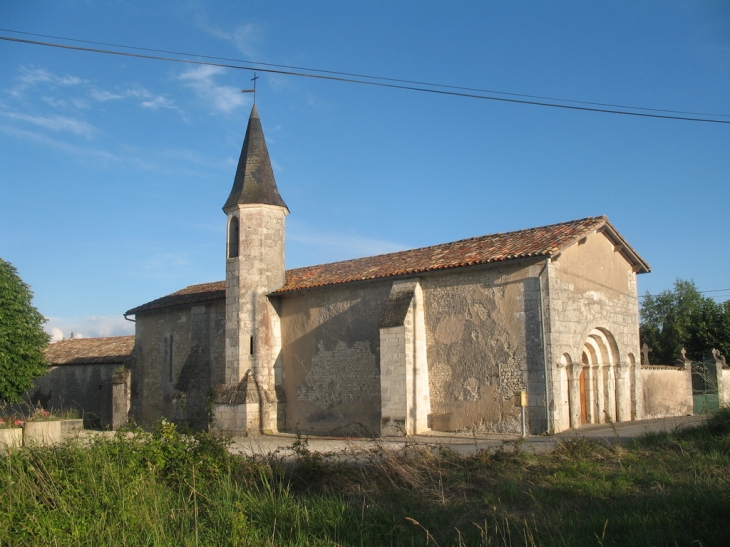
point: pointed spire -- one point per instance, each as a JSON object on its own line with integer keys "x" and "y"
{"x": 254, "y": 182}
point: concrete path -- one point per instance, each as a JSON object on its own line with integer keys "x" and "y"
{"x": 282, "y": 444}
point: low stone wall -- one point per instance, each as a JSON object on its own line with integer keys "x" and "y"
{"x": 44, "y": 433}
{"x": 10, "y": 437}
{"x": 41, "y": 433}
{"x": 667, "y": 391}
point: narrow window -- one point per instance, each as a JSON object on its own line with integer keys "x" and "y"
{"x": 169, "y": 364}
{"x": 233, "y": 238}
{"x": 251, "y": 346}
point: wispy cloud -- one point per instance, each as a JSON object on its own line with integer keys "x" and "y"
{"x": 244, "y": 37}
{"x": 188, "y": 162}
{"x": 159, "y": 102}
{"x": 164, "y": 265}
{"x": 92, "y": 326}
{"x": 103, "y": 96}
{"x": 31, "y": 76}
{"x": 341, "y": 246}
{"x": 73, "y": 102}
{"x": 56, "y": 123}
{"x": 193, "y": 157}
{"x": 221, "y": 98}
{"x": 81, "y": 153}
{"x": 149, "y": 100}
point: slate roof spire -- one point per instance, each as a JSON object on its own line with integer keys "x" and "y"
{"x": 254, "y": 182}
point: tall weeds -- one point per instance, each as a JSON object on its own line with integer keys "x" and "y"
{"x": 166, "y": 488}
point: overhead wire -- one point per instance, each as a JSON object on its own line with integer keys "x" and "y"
{"x": 354, "y": 80}
{"x": 357, "y": 75}
{"x": 700, "y": 292}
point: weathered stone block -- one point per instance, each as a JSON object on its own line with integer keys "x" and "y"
{"x": 11, "y": 437}
{"x": 41, "y": 433}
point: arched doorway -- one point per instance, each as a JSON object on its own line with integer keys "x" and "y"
{"x": 600, "y": 389}
{"x": 583, "y": 400}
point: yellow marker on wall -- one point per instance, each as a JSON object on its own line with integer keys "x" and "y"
{"x": 521, "y": 401}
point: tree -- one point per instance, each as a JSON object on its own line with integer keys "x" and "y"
{"x": 710, "y": 328}
{"x": 22, "y": 338}
{"x": 683, "y": 318}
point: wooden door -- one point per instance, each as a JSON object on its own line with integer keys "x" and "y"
{"x": 583, "y": 402}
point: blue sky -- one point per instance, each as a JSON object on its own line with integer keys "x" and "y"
{"x": 113, "y": 170}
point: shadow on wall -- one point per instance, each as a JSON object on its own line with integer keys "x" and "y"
{"x": 332, "y": 381}
{"x": 189, "y": 403}
{"x": 79, "y": 388}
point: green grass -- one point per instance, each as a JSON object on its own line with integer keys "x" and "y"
{"x": 166, "y": 488}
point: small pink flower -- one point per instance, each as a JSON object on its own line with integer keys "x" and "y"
{"x": 18, "y": 422}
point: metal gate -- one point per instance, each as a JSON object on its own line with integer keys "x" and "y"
{"x": 704, "y": 388}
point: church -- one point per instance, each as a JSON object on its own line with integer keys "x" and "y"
{"x": 432, "y": 339}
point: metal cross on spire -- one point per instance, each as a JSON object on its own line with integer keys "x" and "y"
{"x": 255, "y": 77}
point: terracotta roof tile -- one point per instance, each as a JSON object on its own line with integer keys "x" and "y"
{"x": 90, "y": 351}
{"x": 193, "y": 294}
{"x": 534, "y": 242}
{"x": 542, "y": 241}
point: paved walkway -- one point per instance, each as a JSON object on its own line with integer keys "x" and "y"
{"x": 463, "y": 443}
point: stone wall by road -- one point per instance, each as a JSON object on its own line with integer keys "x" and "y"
{"x": 667, "y": 391}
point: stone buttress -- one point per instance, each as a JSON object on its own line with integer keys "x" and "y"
{"x": 248, "y": 401}
{"x": 404, "y": 386}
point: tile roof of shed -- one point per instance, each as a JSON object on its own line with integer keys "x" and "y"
{"x": 90, "y": 351}
{"x": 543, "y": 241}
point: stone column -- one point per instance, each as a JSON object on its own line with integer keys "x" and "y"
{"x": 720, "y": 364}
{"x": 623, "y": 396}
{"x": 575, "y": 399}
{"x": 688, "y": 381}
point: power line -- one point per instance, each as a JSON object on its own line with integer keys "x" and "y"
{"x": 357, "y": 75}
{"x": 699, "y": 292}
{"x": 372, "y": 83}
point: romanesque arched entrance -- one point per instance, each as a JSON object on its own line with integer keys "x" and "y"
{"x": 597, "y": 390}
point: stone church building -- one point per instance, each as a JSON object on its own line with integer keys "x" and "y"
{"x": 432, "y": 339}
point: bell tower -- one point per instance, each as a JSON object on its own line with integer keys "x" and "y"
{"x": 255, "y": 267}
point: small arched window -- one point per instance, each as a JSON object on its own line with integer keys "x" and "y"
{"x": 233, "y": 238}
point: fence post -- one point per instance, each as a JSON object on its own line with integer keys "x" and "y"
{"x": 720, "y": 364}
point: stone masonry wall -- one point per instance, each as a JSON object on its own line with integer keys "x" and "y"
{"x": 330, "y": 358}
{"x": 483, "y": 340}
{"x": 252, "y": 323}
{"x": 404, "y": 386}
{"x": 591, "y": 287}
{"x": 667, "y": 391}
{"x": 178, "y": 357}
{"x": 78, "y": 387}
